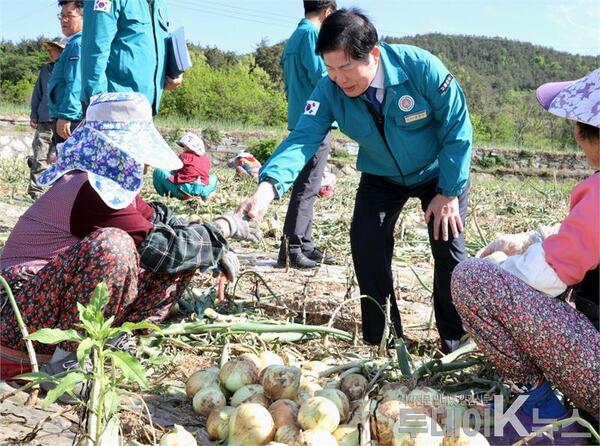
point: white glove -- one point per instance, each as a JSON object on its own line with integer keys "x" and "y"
{"x": 511, "y": 244}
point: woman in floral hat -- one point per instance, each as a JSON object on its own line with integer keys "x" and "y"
{"x": 93, "y": 226}
{"x": 516, "y": 310}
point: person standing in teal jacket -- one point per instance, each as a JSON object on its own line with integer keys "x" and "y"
{"x": 302, "y": 69}
{"x": 64, "y": 86}
{"x": 124, "y": 45}
{"x": 410, "y": 119}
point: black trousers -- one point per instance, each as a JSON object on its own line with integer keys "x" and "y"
{"x": 299, "y": 217}
{"x": 376, "y": 210}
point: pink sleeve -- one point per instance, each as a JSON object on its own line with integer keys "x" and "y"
{"x": 575, "y": 249}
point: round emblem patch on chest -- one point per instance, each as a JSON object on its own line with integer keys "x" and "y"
{"x": 406, "y": 103}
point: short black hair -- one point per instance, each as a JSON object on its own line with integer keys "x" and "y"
{"x": 78, "y": 3}
{"x": 317, "y": 6}
{"x": 587, "y": 131}
{"x": 349, "y": 30}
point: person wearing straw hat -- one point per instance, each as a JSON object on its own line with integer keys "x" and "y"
{"x": 92, "y": 225}
{"x": 39, "y": 119}
{"x": 516, "y": 311}
{"x": 194, "y": 178}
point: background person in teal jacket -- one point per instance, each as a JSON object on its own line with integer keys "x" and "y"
{"x": 302, "y": 69}
{"x": 410, "y": 119}
{"x": 124, "y": 46}
{"x": 64, "y": 86}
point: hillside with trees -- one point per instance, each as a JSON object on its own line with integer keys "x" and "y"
{"x": 498, "y": 76}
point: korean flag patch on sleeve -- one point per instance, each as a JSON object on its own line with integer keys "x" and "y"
{"x": 311, "y": 108}
{"x": 102, "y": 5}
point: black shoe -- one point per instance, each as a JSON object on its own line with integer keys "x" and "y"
{"x": 318, "y": 256}
{"x": 299, "y": 261}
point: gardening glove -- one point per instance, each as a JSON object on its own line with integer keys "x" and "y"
{"x": 511, "y": 244}
{"x": 240, "y": 228}
{"x": 230, "y": 265}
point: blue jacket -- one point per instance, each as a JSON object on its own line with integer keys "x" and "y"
{"x": 125, "y": 49}
{"x": 302, "y": 68}
{"x": 427, "y": 126}
{"x": 39, "y": 96}
{"x": 64, "y": 86}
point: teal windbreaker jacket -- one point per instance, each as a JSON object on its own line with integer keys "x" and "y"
{"x": 124, "y": 43}
{"x": 64, "y": 86}
{"x": 302, "y": 68}
{"x": 427, "y": 129}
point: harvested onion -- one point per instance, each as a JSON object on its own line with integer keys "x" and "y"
{"x": 417, "y": 431}
{"x": 306, "y": 390}
{"x": 394, "y": 391}
{"x": 208, "y": 399}
{"x": 284, "y": 412}
{"x": 338, "y": 398}
{"x": 178, "y": 437}
{"x": 252, "y": 393}
{"x": 288, "y": 434}
{"x": 316, "y": 437}
{"x": 238, "y": 373}
{"x": 200, "y": 380}
{"x": 347, "y": 435}
{"x": 354, "y": 386}
{"x": 466, "y": 437}
{"x": 319, "y": 413}
{"x": 268, "y": 358}
{"x": 217, "y": 424}
{"x": 250, "y": 425}
{"x": 280, "y": 381}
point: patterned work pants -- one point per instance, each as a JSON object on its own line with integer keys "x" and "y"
{"x": 48, "y": 297}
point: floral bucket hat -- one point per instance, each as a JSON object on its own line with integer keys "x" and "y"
{"x": 576, "y": 100}
{"x": 112, "y": 145}
{"x": 193, "y": 142}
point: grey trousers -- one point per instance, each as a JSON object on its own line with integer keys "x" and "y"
{"x": 42, "y": 147}
{"x": 299, "y": 218}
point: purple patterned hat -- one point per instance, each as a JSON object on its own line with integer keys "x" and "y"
{"x": 112, "y": 145}
{"x": 576, "y": 100}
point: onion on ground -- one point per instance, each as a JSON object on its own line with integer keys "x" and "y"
{"x": 250, "y": 425}
{"x": 347, "y": 435}
{"x": 252, "y": 393}
{"x": 288, "y": 434}
{"x": 424, "y": 397}
{"x": 238, "y": 373}
{"x": 268, "y": 358}
{"x": 284, "y": 412}
{"x": 208, "y": 399}
{"x": 354, "y": 386}
{"x": 200, "y": 380}
{"x": 281, "y": 382}
{"x": 319, "y": 413}
{"x": 338, "y": 398}
{"x": 306, "y": 390}
{"x": 386, "y": 415}
{"x": 217, "y": 423}
{"x": 316, "y": 437}
{"x": 178, "y": 437}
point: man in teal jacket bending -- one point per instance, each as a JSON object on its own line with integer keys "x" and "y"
{"x": 302, "y": 69}
{"x": 124, "y": 47}
{"x": 410, "y": 119}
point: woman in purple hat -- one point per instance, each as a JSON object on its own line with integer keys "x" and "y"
{"x": 516, "y": 311}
